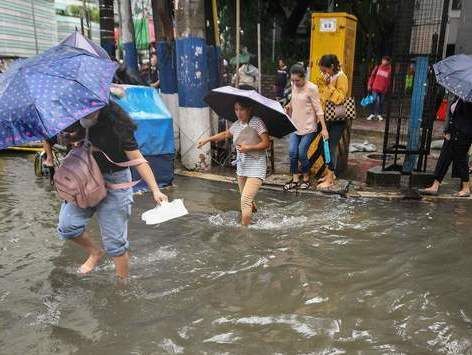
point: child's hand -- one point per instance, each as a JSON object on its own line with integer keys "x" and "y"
{"x": 201, "y": 143}
{"x": 243, "y": 148}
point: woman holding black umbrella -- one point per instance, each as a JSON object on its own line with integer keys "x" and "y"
{"x": 250, "y": 136}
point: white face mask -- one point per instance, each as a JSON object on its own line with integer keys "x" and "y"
{"x": 89, "y": 121}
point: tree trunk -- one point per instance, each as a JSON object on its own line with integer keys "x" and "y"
{"x": 127, "y": 35}
{"x": 107, "y": 27}
{"x": 162, "y": 19}
{"x": 190, "y": 18}
{"x": 192, "y": 81}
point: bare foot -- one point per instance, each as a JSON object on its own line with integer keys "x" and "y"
{"x": 325, "y": 185}
{"x": 462, "y": 193}
{"x": 91, "y": 262}
{"x": 430, "y": 190}
{"x": 321, "y": 179}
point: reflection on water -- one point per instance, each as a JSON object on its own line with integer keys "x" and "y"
{"x": 311, "y": 276}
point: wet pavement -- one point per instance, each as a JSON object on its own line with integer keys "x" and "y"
{"x": 313, "y": 275}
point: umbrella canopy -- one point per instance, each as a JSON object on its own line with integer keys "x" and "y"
{"x": 455, "y": 74}
{"x": 41, "y": 96}
{"x": 222, "y": 100}
{"x": 76, "y": 40}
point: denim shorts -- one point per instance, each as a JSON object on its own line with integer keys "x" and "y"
{"x": 112, "y": 216}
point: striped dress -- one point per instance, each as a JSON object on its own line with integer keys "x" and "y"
{"x": 252, "y": 164}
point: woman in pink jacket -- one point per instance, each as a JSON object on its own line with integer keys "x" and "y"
{"x": 378, "y": 85}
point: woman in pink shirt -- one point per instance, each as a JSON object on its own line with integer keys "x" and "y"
{"x": 306, "y": 112}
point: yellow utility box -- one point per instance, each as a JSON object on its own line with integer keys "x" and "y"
{"x": 333, "y": 33}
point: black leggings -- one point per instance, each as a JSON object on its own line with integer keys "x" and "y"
{"x": 335, "y": 131}
{"x": 455, "y": 151}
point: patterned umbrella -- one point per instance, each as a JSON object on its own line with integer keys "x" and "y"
{"x": 455, "y": 74}
{"x": 76, "y": 40}
{"x": 42, "y": 95}
{"x": 222, "y": 100}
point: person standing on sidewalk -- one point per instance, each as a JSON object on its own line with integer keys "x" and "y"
{"x": 455, "y": 150}
{"x": 334, "y": 87}
{"x": 281, "y": 79}
{"x": 378, "y": 85}
{"x": 306, "y": 112}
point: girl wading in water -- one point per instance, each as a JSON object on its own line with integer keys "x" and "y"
{"x": 251, "y": 158}
{"x": 113, "y": 133}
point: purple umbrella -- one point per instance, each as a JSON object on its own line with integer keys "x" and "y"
{"x": 76, "y": 40}
{"x": 222, "y": 100}
{"x": 42, "y": 95}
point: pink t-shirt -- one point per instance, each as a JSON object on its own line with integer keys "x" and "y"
{"x": 306, "y": 108}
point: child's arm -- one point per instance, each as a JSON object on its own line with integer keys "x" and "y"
{"x": 216, "y": 138}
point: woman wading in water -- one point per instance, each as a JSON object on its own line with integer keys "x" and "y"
{"x": 251, "y": 158}
{"x": 113, "y": 133}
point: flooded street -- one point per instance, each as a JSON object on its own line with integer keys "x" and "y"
{"x": 312, "y": 276}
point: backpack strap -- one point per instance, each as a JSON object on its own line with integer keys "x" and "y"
{"x": 126, "y": 164}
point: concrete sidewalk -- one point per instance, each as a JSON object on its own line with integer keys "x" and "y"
{"x": 351, "y": 183}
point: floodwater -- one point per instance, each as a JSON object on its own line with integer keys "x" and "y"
{"x": 312, "y": 276}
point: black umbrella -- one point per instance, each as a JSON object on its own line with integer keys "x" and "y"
{"x": 222, "y": 100}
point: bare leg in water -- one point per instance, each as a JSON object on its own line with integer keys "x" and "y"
{"x": 49, "y": 161}
{"x": 121, "y": 266}
{"x": 94, "y": 253}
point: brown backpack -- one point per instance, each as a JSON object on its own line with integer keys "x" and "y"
{"x": 79, "y": 180}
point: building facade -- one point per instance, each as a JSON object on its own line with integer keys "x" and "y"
{"x": 27, "y": 27}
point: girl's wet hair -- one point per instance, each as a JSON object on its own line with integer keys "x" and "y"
{"x": 330, "y": 61}
{"x": 246, "y": 103}
{"x": 298, "y": 69}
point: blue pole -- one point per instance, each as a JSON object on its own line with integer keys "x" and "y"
{"x": 167, "y": 66}
{"x": 192, "y": 71}
{"x": 130, "y": 54}
{"x": 416, "y": 113}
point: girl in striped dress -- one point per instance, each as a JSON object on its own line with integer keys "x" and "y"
{"x": 251, "y": 158}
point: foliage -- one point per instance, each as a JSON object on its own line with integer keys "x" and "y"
{"x": 78, "y": 11}
{"x": 374, "y": 37}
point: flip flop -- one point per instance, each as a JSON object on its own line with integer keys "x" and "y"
{"x": 305, "y": 185}
{"x": 290, "y": 185}
{"x": 428, "y": 192}
{"x": 458, "y": 194}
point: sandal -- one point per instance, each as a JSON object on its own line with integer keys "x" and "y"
{"x": 290, "y": 185}
{"x": 460, "y": 194}
{"x": 305, "y": 185}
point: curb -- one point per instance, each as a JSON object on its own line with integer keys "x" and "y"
{"x": 389, "y": 196}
